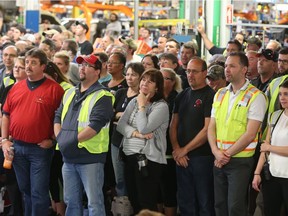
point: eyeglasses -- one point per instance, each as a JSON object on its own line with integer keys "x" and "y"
{"x": 19, "y": 67}
{"x": 113, "y": 63}
{"x": 192, "y": 72}
{"x": 86, "y": 65}
{"x": 284, "y": 62}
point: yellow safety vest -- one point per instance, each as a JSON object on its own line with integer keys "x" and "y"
{"x": 65, "y": 85}
{"x": 230, "y": 130}
{"x": 99, "y": 143}
{"x": 8, "y": 81}
{"x": 274, "y": 91}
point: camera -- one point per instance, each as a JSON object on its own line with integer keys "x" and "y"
{"x": 142, "y": 163}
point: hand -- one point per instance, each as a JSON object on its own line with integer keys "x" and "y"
{"x": 6, "y": 147}
{"x": 256, "y": 182}
{"x": 200, "y": 28}
{"x": 179, "y": 152}
{"x": 147, "y": 136}
{"x": 265, "y": 147}
{"x": 183, "y": 161}
{"x": 118, "y": 115}
{"x": 46, "y": 144}
{"x": 218, "y": 164}
{"x": 142, "y": 99}
{"x": 221, "y": 157}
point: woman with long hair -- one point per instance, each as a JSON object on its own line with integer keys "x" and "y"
{"x": 275, "y": 150}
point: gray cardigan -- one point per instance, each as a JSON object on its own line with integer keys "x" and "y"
{"x": 155, "y": 119}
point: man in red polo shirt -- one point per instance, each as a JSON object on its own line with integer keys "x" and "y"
{"x": 28, "y": 115}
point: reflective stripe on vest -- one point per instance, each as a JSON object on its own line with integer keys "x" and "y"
{"x": 65, "y": 85}
{"x": 99, "y": 143}
{"x": 231, "y": 129}
{"x": 8, "y": 81}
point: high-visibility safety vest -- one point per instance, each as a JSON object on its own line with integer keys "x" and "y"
{"x": 65, "y": 85}
{"x": 99, "y": 143}
{"x": 230, "y": 129}
{"x": 274, "y": 91}
{"x": 8, "y": 81}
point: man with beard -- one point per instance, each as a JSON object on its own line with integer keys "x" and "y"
{"x": 82, "y": 128}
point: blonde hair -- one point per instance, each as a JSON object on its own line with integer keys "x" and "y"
{"x": 175, "y": 77}
{"x": 63, "y": 55}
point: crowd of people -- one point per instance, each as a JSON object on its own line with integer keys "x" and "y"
{"x": 175, "y": 133}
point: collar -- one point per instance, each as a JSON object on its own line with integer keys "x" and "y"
{"x": 243, "y": 88}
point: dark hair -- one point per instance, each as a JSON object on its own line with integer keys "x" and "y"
{"x": 21, "y": 29}
{"x": 121, "y": 57}
{"x": 157, "y": 77}
{"x": 50, "y": 43}
{"x": 39, "y": 54}
{"x": 154, "y": 59}
{"x": 237, "y": 43}
{"x": 103, "y": 57}
{"x": 171, "y": 57}
{"x": 114, "y": 15}
{"x": 204, "y": 64}
{"x": 242, "y": 57}
{"x": 284, "y": 51}
{"x": 137, "y": 67}
{"x": 53, "y": 71}
{"x": 177, "y": 43}
{"x": 72, "y": 46}
{"x": 147, "y": 29}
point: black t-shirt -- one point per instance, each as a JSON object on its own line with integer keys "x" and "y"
{"x": 113, "y": 89}
{"x": 85, "y": 48}
{"x": 121, "y": 102}
{"x": 193, "y": 106}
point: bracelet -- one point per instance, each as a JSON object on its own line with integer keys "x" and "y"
{"x": 141, "y": 107}
{"x": 256, "y": 174}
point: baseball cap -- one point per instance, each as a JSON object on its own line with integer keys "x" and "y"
{"x": 129, "y": 42}
{"x": 50, "y": 32}
{"x": 269, "y": 54}
{"x": 28, "y": 37}
{"x": 90, "y": 59}
{"x": 216, "y": 72}
{"x": 83, "y": 24}
{"x": 254, "y": 40}
{"x": 217, "y": 58}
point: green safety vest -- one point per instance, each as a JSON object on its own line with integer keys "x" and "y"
{"x": 274, "y": 91}
{"x": 231, "y": 129}
{"x": 8, "y": 81}
{"x": 99, "y": 143}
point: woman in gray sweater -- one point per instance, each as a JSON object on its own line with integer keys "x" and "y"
{"x": 143, "y": 126}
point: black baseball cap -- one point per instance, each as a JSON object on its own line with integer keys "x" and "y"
{"x": 83, "y": 24}
{"x": 269, "y": 54}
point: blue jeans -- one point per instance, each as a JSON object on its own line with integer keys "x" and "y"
{"x": 91, "y": 176}
{"x": 118, "y": 166}
{"x": 32, "y": 168}
{"x": 195, "y": 187}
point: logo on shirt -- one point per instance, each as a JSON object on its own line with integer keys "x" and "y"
{"x": 198, "y": 103}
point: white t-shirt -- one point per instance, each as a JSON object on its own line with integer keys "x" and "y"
{"x": 279, "y": 163}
